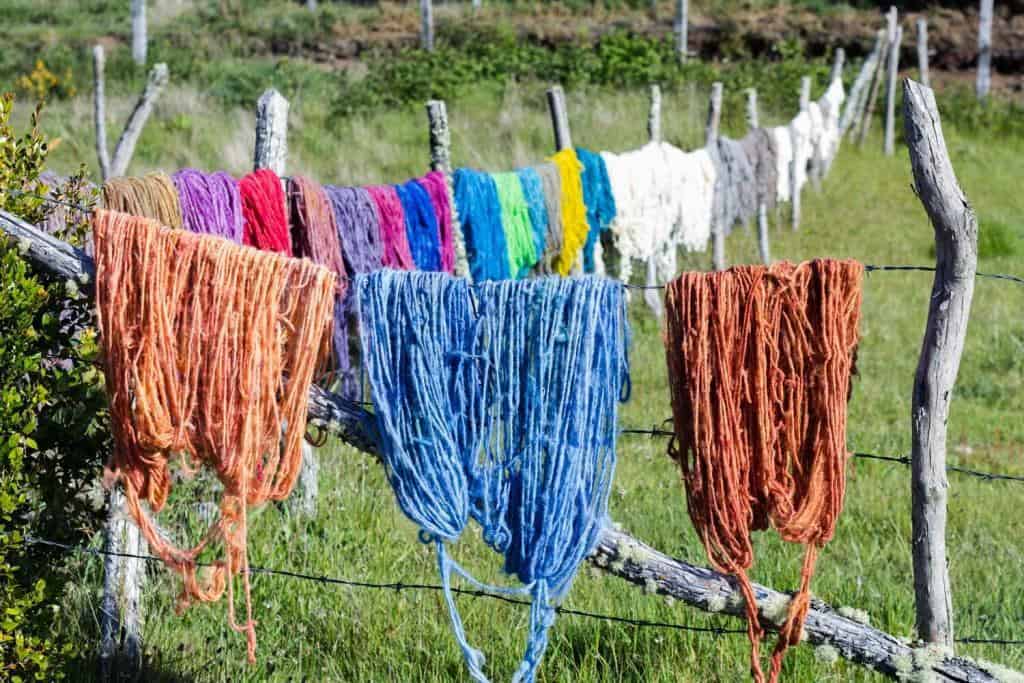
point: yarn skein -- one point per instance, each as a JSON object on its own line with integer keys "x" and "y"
{"x": 199, "y": 336}
{"x": 600, "y": 203}
{"x": 210, "y": 203}
{"x": 421, "y": 227}
{"x": 515, "y": 221}
{"x": 533, "y": 193}
{"x": 498, "y": 402}
{"x": 574, "y": 211}
{"x": 263, "y": 208}
{"x": 315, "y": 236}
{"x": 760, "y": 362}
{"x": 153, "y": 196}
{"x": 394, "y": 240}
{"x": 359, "y": 233}
{"x": 476, "y": 198}
{"x": 436, "y": 186}
{"x": 551, "y": 182}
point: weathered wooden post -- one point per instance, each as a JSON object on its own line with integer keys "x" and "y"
{"x": 956, "y": 261}
{"x": 838, "y": 62}
{"x": 857, "y": 101}
{"x": 441, "y": 160}
{"x": 559, "y": 117}
{"x": 654, "y": 114}
{"x": 711, "y": 142}
{"x": 99, "y": 110}
{"x": 984, "y": 49}
{"x": 922, "y": 51}
{"x": 311, "y": 5}
{"x": 681, "y": 29}
{"x": 794, "y": 190}
{"x": 120, "y": 656}
{"x": 876, "y": 84}
{"x": 139, "y": 39}
{"x": 427, "y": 25}
{"x": 890, "y": 100}
{"x": 753, "y": 123}
{"x": 125, "y": 149}
{"x": 272, "y": 152}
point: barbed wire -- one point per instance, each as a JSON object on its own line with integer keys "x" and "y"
{"x": 898, "y": 459}
{"x": 398, "y": 586}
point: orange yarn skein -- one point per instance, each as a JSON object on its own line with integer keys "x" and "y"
{"x": 760, "y": 360}
{"x": 210, "y": 349}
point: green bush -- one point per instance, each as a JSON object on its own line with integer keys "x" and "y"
{"x": 50, "y": 436}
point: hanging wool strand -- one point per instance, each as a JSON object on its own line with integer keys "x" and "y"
{"x": 498, "y": 402}
{"x": 551, "y": 182}
{"x": 533, "y": 193}
{"x": 574, "y": 210}
{"x": 421, "y": 227}
{"x": 264, "y": 209}
{"x": 210, "y": 203}
{"x": 209, "y": 351}
{"x": 736, "y": 187}
{"x": 759, "y": 147}
{"x": 760, "y": 362}
{"x": 153, "y": 196}
{"x": 600, "y": 203}
{"x": 476, "y": 199}
{"x": 515, "y": 222}
{"x": 315, "y": 236}
{"x": 437, "y": 187}
{"x": 394, "y": 240}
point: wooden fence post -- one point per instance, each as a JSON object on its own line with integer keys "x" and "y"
{"x": 837, "y": 64}
{"x": 120, "y": 657}
{"x": 654, "y": 114}
{"x": 272, "y": 152}
{"x": 559, "y": 118}
{"x": 139, "y": 38}
{"x": 441, "y": 160}
{"x": 125, "y": 148}
{"x": 922, "y": 52}
{"x": 984, "y": 49}
{"x": 99, "y": 110}
{"x": 681, "y": 29}
{"x": 711, "y": 142}
{"x": 890, "y": 100}
{"x": 876, "y": 85}
{"x": 956, "y": 261}
{"x": 754, "y": 122}
{"x": 856, "y": 102}
{"x": 794, "y": 191}
{"x": 427, "y": 25}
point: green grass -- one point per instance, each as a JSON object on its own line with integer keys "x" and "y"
{"x": 865, "y": 210}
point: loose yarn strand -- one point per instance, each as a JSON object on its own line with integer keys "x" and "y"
{"x": 153, "y": 196}
{"x": 264, "y": 211}
{"x": 394, "y": 240}
{"x": 515, "y": 221}
{"x": 574, "y": 210}
{"x": 210, "y": 203}
{"x": 436, "y": 186}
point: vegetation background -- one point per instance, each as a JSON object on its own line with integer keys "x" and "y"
{"x": 359, "y": 119}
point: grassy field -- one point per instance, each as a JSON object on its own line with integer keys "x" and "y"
{"x": 865, "y": 210}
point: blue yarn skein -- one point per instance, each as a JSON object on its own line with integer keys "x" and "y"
{"x": 420, "y": 225}
{"x": 498, "y": 401}
{"x": 597, "y": 195}
{"x": 533, "y": 190}
{"x": 476, "y": 199}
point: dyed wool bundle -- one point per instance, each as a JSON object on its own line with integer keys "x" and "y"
{"x": 464, "y": 435}
{"x": 264, "y": 210}
{"x": 355, "y": 213}
{"x": 782, "y": 139}
{"x": 831, "y": 105}
{"x": 515, "y": 221}
{"x": 801, "y": 129}
{"x": 760, "y": 360}
{"x": 736, "y": 189}
{"x": 198, "y": 337}
{"x": 551, "y": 182}
{"x": 396, "y": 252}
{"x": 315, "y": 236}
{"x": 533, "y": 192}
{"x": 574, "y": 210}
{"x": 759, "y": 147}
{"x": 420, "y": 225}
{"x": 818, "y": 140}
{"x": 599, "y": 200}
{"x": 210, "y": 203}
{"x": 153, "y": 196}
{"x": 476, "y": 197}
{"x": 436, "y": 186}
